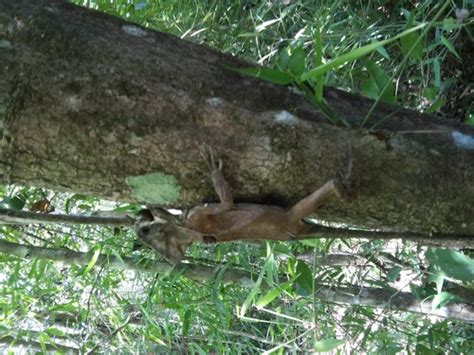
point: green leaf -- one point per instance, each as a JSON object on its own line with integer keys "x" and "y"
{"x": 376, "y": 83}
{"x": 253, "y": 292}
{"x": 56, "y": 332}
{"x": 248, "y": 300}
{"x": 435, "y": 106}
{"x": 283, "y": 59}
{"x": 37, "y": 269}
{"x": 355, "y": 54}
{"x": 68, "y": 205}
{"x": 282, "y": 249}
{"x": 437, "y": 72}
{"x": 383, "y": 52}
{"x": 16, "y": 202}
{"x": 318, "y": 61}
{"x": 369, "y": 88}
{"x": 422, "y": 349}
{"x": 377, "y": 73}
{"x": 140, "y": 5}
{"x": 266, "y": 24}
{"x": 296, "y": 62}
{"x": 218, "y": 303}
{"x": 438, "y": 278}
{"x": 305, "y": 278}
{"x": 310, "y": 242}
{"x": 454, "y": 264}
{"x": 43, "y": 340}
{"x": 71, "y": 306}
{"x": 327, "y": 345}
{"x": 80, "y": 197}
{"x": 393, "y": 273}
{"x": 271, "y": 295}
{"x": 272, "y": 75}
{"x": 450, "y": 24}
{"x": 407, "y": 14}
{"x": 430, "y": 93}
{"x": 128, "y": 208}
{"x": 470, "y": 119}
{"x": 156, "y": 340}
{"x": 92, "y": 262}
{"x": 442, "y": 299}
{"x": 450, "y": 46}
{"x": 117, "y": 254}
{"x": 151, "y": 320}
{"x": 186, "y": 322}
{"x": 266, "y": 299}
{"x": 248, "y": 34}
{"x": 408, "y": 41}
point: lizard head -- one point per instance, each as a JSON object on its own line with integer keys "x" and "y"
{"x": 161, "y": 231}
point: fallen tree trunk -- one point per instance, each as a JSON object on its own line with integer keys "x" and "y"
{"x": 93, "y": 104}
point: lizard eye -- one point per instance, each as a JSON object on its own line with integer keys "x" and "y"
{"x": 145, "y": 215}
{"x": 146, "y": 230}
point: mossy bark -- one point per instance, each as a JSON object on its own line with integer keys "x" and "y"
{"x": 89, "y": 102}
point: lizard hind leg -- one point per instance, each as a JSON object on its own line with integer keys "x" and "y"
{"x": 343, "y": 188}
{"x": 310, "y": 203}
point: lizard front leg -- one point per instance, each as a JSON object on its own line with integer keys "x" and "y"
{"x": 220, "y": 184}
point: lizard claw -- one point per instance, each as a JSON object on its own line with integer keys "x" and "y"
{"x": 207, "y": 154}
{"x": 347, "y": 184}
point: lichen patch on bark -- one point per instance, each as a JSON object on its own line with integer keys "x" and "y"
{"x": 285, "y": 117}
{"x": 134, "y": 31}
{"x": 463, "y": 140}
{"x": 156, "y": 188}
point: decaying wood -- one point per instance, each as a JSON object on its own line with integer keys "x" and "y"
{"x": 88, "y": 102}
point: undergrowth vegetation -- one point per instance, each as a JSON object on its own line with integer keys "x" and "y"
{"x": 294, "y": 298}
{"x": 438, "y": 68}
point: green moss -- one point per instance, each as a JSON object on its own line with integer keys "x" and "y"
{"x": 156, "y": 188}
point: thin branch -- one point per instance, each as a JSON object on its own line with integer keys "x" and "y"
{"x": 455, "y": 241}
{"x": 385, "y": 298}
{"x": 333, "y": 259}
{"x": 110, "y": 336}
{"x": 194, "y": 272}
{"x": 10, "y": 216}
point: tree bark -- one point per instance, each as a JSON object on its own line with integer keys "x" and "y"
{"x": 93, "y": 104}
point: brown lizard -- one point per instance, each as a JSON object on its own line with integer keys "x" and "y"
{"x": 226, "y": 221}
